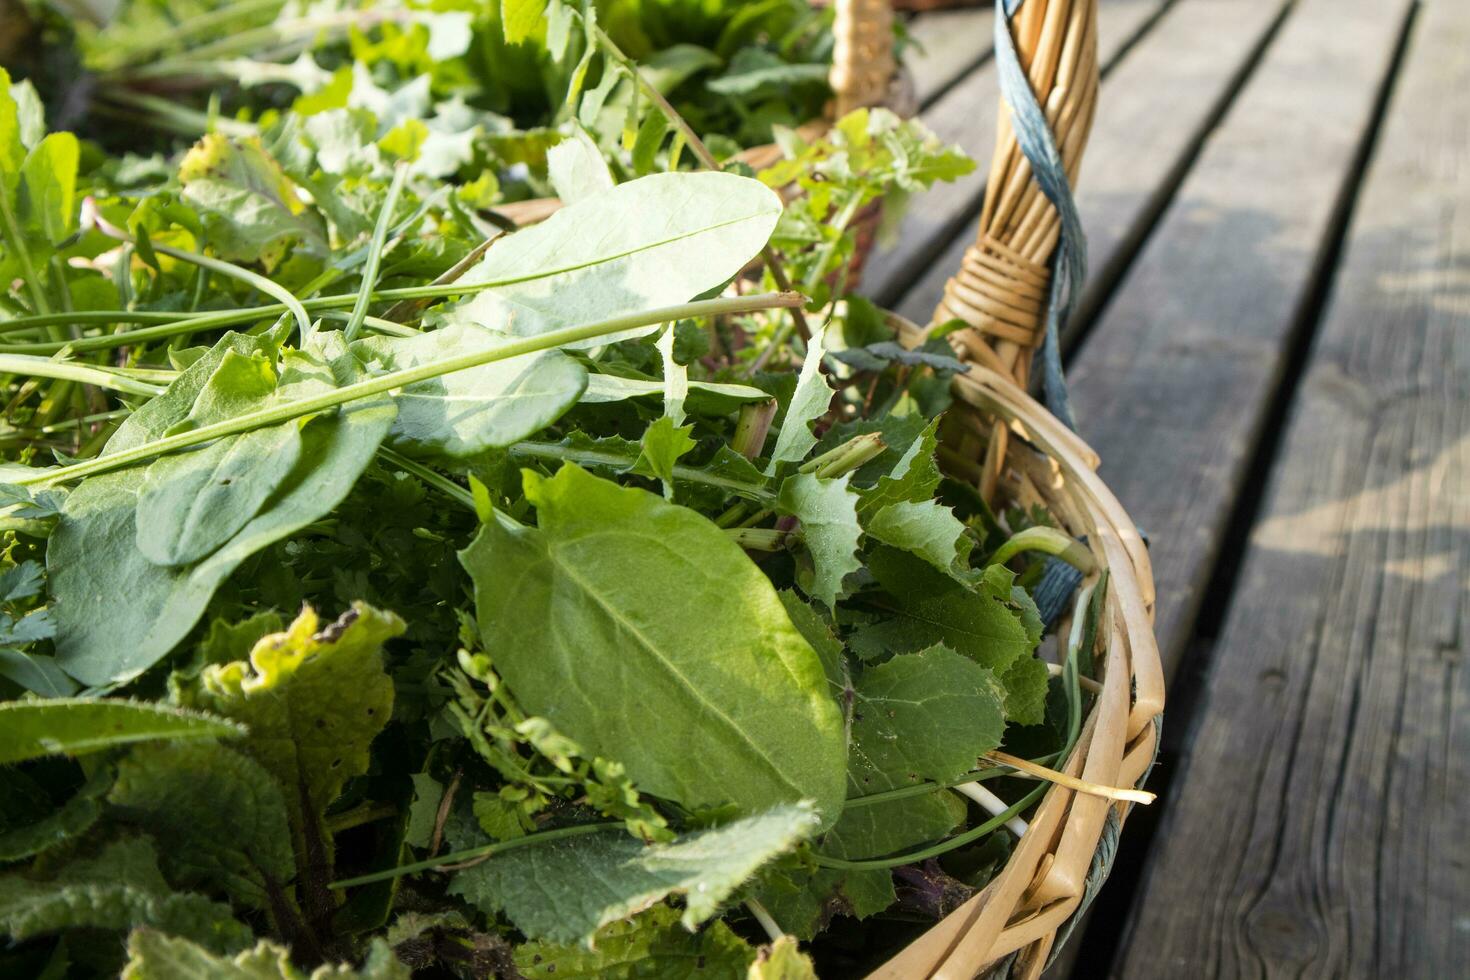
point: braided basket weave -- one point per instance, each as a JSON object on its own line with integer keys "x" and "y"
{"x": 1016, "y": 451}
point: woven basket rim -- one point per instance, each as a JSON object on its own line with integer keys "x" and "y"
{"x": 1044, "y": 881}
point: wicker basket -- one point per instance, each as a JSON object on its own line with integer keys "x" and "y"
{"x": 1015, "y": 450}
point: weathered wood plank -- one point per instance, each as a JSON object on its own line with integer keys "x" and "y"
{"x": 951, "y": 43}
{"x": 966, "y": 115}
{"x": 1173, "y": 382}
{"x": 1153, "y": 111}
{"x": 1319, "y": 829}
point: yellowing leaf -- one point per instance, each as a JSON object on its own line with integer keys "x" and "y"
{"x": 155, "y": 956}
{"x": 782, "y": 960}
{"x": 651, "y": 945}
{"x": 314, "y": 697}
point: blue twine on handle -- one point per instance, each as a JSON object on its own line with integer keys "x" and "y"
{"x": 1069, "y": 270}
{"x": 1069, "y": 263}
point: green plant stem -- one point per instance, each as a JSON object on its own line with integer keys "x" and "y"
{"x": 177, "y": 324}
{"x": 843, "y": 459}
{"x": 755, "y": 540}
{"x": 398, "y": 379}
{"x": 488, "y": 850}
{"x": 358, "y": 816}
{"x": 432, "y": 477}
{"x": 924, "y": 788}
{"x": 591, "y": 457}
{"x": 377, "y": 323}
{"x": 752, "y": 427}
{"x": 943, "y": 847}
{"x": 267, "y": 286}
{"x": 759, "y": 538}
{"x": 23, "y": 254}
{"x": 42, "y": 367}
{"x": 167, "y": 114}
{"x": 1050, "y": 541}
{"x": 375, "y": 254}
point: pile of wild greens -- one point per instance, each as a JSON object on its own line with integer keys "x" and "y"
{"x": 381, "y": 587}
{"x": 465, "y": 81}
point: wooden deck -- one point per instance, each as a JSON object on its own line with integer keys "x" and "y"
{"x": 1273, "y": 359}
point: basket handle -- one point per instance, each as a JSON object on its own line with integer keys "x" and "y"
{"x": 862, "y": 53}
{"x": 1018, "y": 280}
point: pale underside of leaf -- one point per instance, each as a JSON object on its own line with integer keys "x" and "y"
{"x": 645, "y": 244}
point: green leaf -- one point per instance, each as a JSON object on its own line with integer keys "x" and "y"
{"x": 69, "y": 821}
{"x": 466, "y": 412}
{"x": 221, "y": 816}
{"x": 1026, "y": 682}
{"x": 664, "y": 444}
{"x": 22, "y": 581}
{"x": 650, "y": 137}
{"x": 915, "y": 476}
{"x": 314, "y": 697}
{"x": 119, "y": 888}
{"x": 754, "y": 71}
{"x": 651, "y": 946}
{"x": 809, "y": 402}
{"x": 931, "y": 608}
{"x": 423, "y": 812}
{"x": 251, "y": 208}
{"x": 105, "y": 587}
{"x": 47, "y": 205}
{"x": 927, "y": 529}
{"x": 923, "y": 716}
{"x": 744, "y": 713}
{"x": 576, "y": 168}
{"x": 827, "y": 510}
{"x": 153, "y": 419}
{"x": 782, "y": 960}
{"x": 893, "y": 826}
{"x": 565, "y": 892}
{"x": 155, "y": 956}
{"x": 36, "y": 673}
{"x": 12, "y": 150}
{"x": 652, "y": 242}
{"x": 78, "y": 726}
{"x": 520, "y": 19}
{"x": 32, "y": 627}
{"x": 816, "y": 632}
{"x": 803, "y": 900}
{"x": 191, "y": 503}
